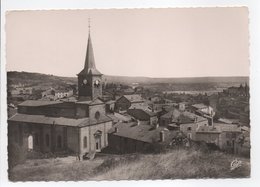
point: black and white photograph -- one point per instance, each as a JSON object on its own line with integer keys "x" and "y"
{"x": 128, "y": 94}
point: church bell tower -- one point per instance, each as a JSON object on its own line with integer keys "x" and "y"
{"x": 89, "y": 79}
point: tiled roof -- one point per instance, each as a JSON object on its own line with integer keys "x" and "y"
{"x": 113, "y": 117}
{"x": 142, "y": 106}
{"x": 140, "y": 113}
{"x": 208, "y": 129}
{"x": 199, "y": 106}
{"x": 94, "y": 102}
{"x": 134, "y": 98}
{"x": 183, "y": 117}
{"x": 172, "y": 114}
{"x": 228, "y": 127}
{"x": 39, "y": 103}
{"x": 144, "y": 133}
{"x": 121, "y": 117}
{"x": 92, "y": 121}
{"x": 193, "y": 116}
{"x": 110, "y": 102}
{"x": 41, "y": 119}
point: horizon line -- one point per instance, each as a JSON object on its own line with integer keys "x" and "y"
{"x": 218, "y": 76}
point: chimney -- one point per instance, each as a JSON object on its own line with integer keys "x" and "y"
{"x": 162, "y": 136}
{"x": 116, "y": 129}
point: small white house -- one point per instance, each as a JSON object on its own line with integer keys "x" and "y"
{"x": 63, "y": 93}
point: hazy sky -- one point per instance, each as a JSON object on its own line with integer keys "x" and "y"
{"x": 175, "y": 42}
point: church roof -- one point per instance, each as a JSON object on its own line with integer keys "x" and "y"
{"x": 92, "y": 102}
{"x": 38, "y": 103}
{"x": 90, "y": 67}
{"x": 64, "y": 121}
{"x": 42, "y": 119}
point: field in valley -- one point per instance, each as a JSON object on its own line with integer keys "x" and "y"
{"x": 177, "y": 164}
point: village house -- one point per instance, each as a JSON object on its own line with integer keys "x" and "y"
{"x": 47, "y": 93}
{"x": 110, "y": 106}
{"x": 189, "y": 123}
{"x": 144, "y": 117}
{"x": 204, "y": 111}
{"x": 78, "y": 127}
{"x": 133, "y": 137}
{"x": 228, "y": 136}
{"x": 126, "y": 101}
{"x": 224, "y": 136}
{"x": 63, "y": 93}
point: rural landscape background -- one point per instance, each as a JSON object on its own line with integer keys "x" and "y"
{"x": 199, "y": 161}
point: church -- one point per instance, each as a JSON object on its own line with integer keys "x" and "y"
{"x": 77, "y": 127}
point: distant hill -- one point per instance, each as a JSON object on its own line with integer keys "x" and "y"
{"x": 126, "y": 79}
{"x": 38, "y": 79}
{"x": 34, "y": 79}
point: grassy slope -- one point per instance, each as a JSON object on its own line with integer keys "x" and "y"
{"x": 178, "y": 164}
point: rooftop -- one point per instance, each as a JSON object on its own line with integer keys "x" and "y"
{"x": 208, "y": 129}
{"x": 183, "y": 117}
{"x": 134, "y": 98}
{"x": 42, "y": 119}
{"x": 39, "y": 103}
{"x": 144, "y": 133}
{"x": 199, "y": 106}
{"x": 91, "y": 102}
{"x": 227, "y": 127}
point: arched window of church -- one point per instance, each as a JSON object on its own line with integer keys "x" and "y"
{"x": 97, "y": 115}
{"x": 85, "y": 142}
{"x": 30, "y": 142}
{"x": 59, "y": 141}
{"x": 47, "y": 140}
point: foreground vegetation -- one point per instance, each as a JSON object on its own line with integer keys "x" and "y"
{"x": 177, "y": 164}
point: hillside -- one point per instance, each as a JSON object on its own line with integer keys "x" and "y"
{"x": 177, "y": 164}
{"x": 125, "y": 79}
{"x": 15, "y": 77}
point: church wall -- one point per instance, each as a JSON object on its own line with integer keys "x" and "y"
{"x": 59, "y": 134}
{"x": 72, "y": 139}
{"x": 16, "y": 134}
{"x": 84, "y": 132}
{"x": 82, "y": 111}
{"x": 103, "y": 127}
{"x": 47, "y": 132}
{"x": 93, "y": 109}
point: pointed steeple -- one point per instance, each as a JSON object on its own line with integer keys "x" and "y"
{"x": 90, "y": 67}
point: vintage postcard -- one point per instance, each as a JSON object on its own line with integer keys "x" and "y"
{"x": 128, "y": 94}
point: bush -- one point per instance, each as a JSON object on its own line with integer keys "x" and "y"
{"x": 16, "y": 155}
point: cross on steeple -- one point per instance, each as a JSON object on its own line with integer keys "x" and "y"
{"x": 89, "y": 25}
